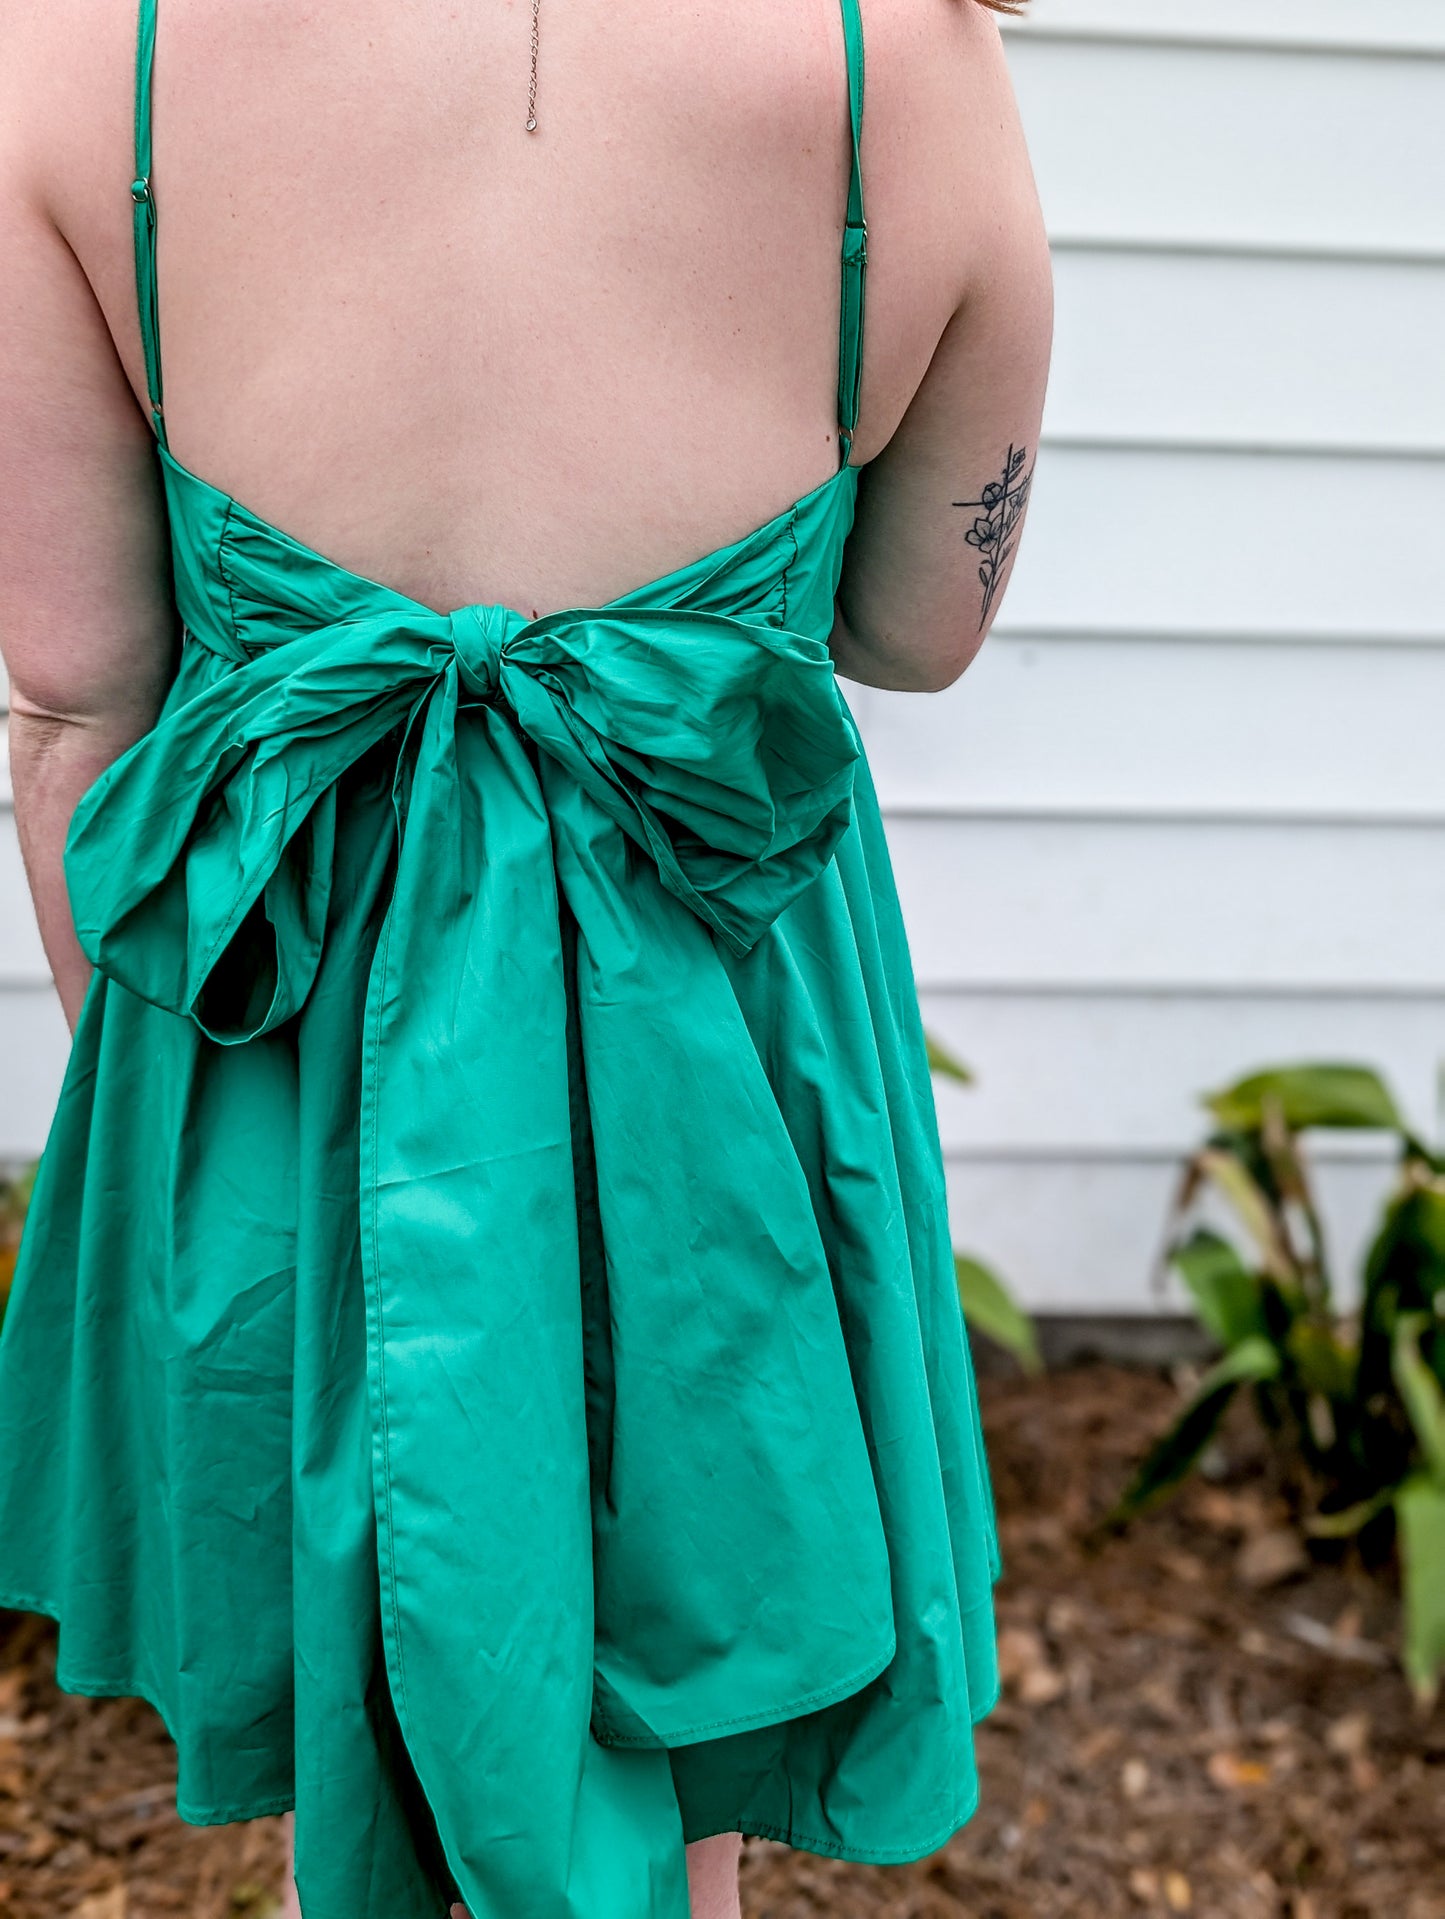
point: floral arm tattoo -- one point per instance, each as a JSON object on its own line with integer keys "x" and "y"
{"x": 994, "y": 531}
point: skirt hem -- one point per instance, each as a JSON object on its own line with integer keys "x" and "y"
{"x": 72, "y": 1682}
{"x": 817, "y": 1701}
{"x": 269, "y": 1808}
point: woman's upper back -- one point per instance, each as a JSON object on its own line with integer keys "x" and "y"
{"x": 479, "y": 363}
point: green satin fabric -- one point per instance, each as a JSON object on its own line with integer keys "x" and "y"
{"x": 485, "y": 1359}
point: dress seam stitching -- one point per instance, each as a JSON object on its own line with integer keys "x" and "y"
{"x": 792, "y": 531}
{"x": 403, "y": 1706}
{"x": 839, "y": 1690}
{"x": 225, "y": 572}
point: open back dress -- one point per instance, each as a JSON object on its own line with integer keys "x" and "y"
{"x": 485, "y": 1360}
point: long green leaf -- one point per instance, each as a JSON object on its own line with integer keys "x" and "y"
{"x": 1251, "y": 1205}
{"x": 1225, "y": 1291}
{"x": 1171, "y": 1457}
{"x": 940, "y": 1060}
{"x": 1348, "y": 1520}
{"x": 990, "y": 1308}
{"x": 1408, "y": 1254}
{"x": 1309, "y": 1095}
{"x": 1420, "y": 1510}
{"x": 1421, "y": 1392}
{"x": 1322, "y": 1355}
{"x": 15, "y": 1194}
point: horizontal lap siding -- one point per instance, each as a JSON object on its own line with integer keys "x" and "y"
{"x": 1135, "y": 722}
{"x": 1133, "y": 901}
{"x": 1167, "y": 345}
{"x": 1186, "y": 813}
{"x": 33, "y": 1039}
{"x": 1226, "y": 539}
{"x": 1364, "y": 26}
{"x": 1081, "y": 1233}
{"x": 1300, "y": 147}
{"x": 33, "y": 1046}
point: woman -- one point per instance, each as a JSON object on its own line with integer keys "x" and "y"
{"x": 484, "y": 1361}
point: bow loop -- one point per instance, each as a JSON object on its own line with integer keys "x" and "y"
{"x": 199, "y": 863}
{"x": 721, "y": 748}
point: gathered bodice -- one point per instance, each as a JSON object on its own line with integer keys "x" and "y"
{"x": 241, "y": 582}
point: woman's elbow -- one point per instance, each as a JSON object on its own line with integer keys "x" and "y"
{"x": 906, "y": 663}
{"x": 939, "y": 669}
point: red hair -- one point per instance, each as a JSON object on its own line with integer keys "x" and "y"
{"x": 1003, "y": 6}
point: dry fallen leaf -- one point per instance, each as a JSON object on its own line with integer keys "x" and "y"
{"x": 1184, "y": 1566}
{"x": 1364, "y": 1652}
{"x": 110, "y": 1904}
{"x": 1064, "y": 1617}
{"x": 1041, "y": 1686}
{"x": 1178, "y": 1892}
{"x": 1144, "y": 1884}
{"x": 1267, "y": 1559}
{"x": 1023, "y": 1663}
{"x": 1226, "y": 1512}
{"x": 1095, "y": 1746}
{"x": 1175, "y": 1625}
{"x": 1257, "y": 1644}
{"x": 1134, "y": 1778}
{"x": 1233, "y": 1774}
{"x": 1350, "y": 1735}
{"x": 1161, "y": 1696}
{"x": 1020, "y": 1648}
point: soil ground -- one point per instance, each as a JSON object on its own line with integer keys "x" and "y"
{"x": 1196, "y": 1719}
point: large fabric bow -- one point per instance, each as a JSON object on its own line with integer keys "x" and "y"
{"x": 588, "y": 1241}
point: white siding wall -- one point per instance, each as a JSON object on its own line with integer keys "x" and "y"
{"x": 1185, "y": 813}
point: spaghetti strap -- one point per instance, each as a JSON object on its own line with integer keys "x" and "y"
{"x": 855, "y": 243}
{"x": 144, "y": 212}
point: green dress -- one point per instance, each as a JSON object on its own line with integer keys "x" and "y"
{"x": 485, "y": 1361}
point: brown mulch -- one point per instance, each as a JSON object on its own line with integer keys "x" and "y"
{"x": 1195, "y": 1721}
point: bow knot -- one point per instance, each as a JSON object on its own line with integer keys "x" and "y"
{"x": 478, "y": 635}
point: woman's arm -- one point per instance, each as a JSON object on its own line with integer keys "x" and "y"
{"x": 940, "y": 509}
{"x": 87, "y": 623}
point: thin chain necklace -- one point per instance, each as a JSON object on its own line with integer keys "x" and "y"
{"x": 532, "y": 89}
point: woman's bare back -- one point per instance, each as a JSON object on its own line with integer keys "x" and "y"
{"x": 539, "y": 369}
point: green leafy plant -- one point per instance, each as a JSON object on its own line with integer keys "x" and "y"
{"x": 988, "y": 1305}
{"x": 1354, "y": 1402}
{"x": 14, "y": 1200}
